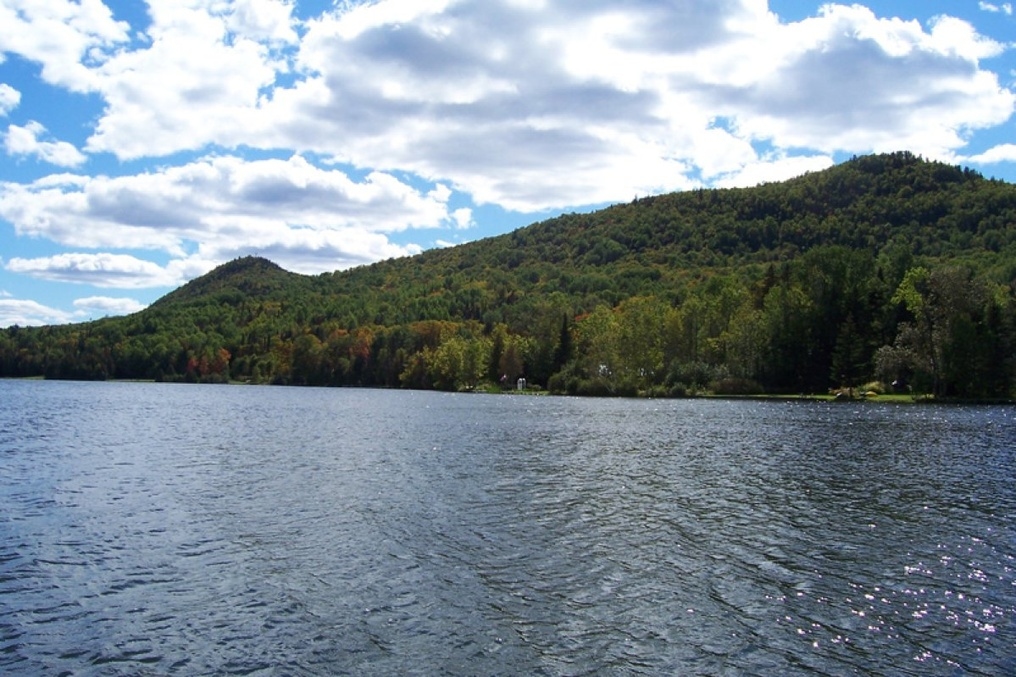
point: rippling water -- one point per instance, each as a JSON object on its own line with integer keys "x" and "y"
{"x": 171, "y": 529}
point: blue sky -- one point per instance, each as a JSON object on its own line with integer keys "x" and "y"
{"x": 144, "y": 143}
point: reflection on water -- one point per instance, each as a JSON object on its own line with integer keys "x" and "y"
{"x": 193, "y": 530}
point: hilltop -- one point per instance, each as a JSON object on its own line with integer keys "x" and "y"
{"x": 247, "y": 277}
{"x": 884, "y": 267}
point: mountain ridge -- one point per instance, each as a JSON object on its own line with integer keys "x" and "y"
{"x": 830, "y": 249}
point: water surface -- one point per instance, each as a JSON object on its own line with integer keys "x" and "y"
{"x": 174, "y": 529}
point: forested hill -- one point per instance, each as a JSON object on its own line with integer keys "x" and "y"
{"x": 884, "y": 268}
{"x": 247, "y": 278}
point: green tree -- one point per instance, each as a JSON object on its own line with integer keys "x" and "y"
{"x": 307, "y": 361}
{"x": 944, "y": 304}
{"x": 787, "y": 314}
{"x": 850, "y": 358}
{"x": 640, "y": 324}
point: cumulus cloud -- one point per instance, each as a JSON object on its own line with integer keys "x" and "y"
{"x": 68, "y": 38}
{"x": 306, "y": 218}
{"x": 25, "y": 141}
{"x": 539, "y": 105}
{"x": 26, "y": 313}
{"x": 200, "y": 81}
{"x": 107, "y": 305}
{"x": 390, "y": 111}
{"x": 536, "y": 106}
{"x": 1005, "y": 8}
{"x": 848, "y": 81}
{"x": 1005, "y": 152}
{"x": 101, "y": 270}
{"x": 264, "y": 20}
{"x": 463, "y": 218}
{"x": 773, "y": 169}
{"x": 9, "y": 98}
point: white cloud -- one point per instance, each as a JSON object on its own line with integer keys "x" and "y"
{"x": 955, "y": 37}
{"x": 67, "y": 38}
{"x": 25, "y": 313}
{"x": 305, "y": 218}
{"x": 566, "y": 105}
{"x": 107, "y": 305}
{"x": 535, "y": 105}
{"x": 268, "y": 20}
{"x": 531, "y": 105}
{"x": 463, "y": 218}
{"x": 197, "y": 83}
{"x": 848, "y": 81}
{"x": 773, "y": 169}
{"x": 1005, "y": 152}
{"x": 101, "y": 270}
{"x": 9, "y": 98}
{"x": 1005, "y": 8}
{"x": 25, "y": 141}
{"x": 311, "y": 252}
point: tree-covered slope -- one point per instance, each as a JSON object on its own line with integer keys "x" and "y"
{"x": 653, "y": 245}
{"x": 829, "y": 279}
{"x": 241, "y": 279}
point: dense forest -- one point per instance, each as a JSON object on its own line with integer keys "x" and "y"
{"x": 886, "y": 269}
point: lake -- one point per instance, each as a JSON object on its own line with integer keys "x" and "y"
{"x": 179, "y": 529}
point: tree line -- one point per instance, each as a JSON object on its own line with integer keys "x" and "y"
{"x": 884, "y": 270}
